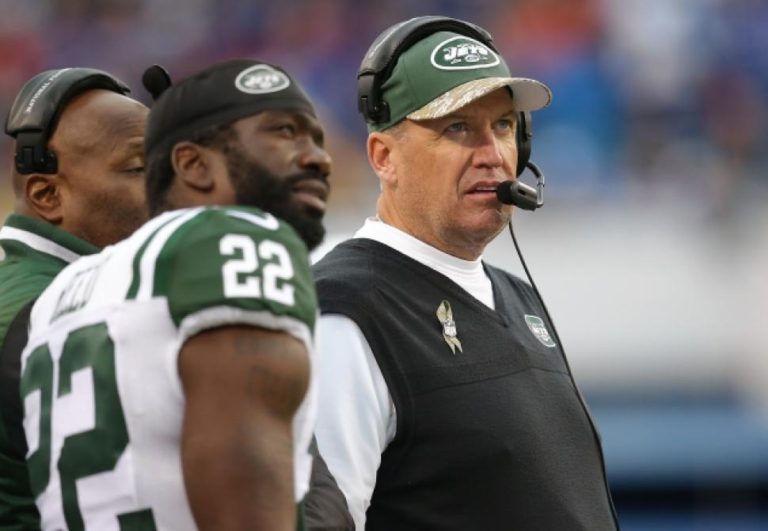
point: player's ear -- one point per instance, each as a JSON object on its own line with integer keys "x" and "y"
{"x": 381, "y": 147}
{"x": 193, "y": 165}
{"x": 43, "y": 195}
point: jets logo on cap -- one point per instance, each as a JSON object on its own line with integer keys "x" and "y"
{"x": 261, "y": 79}
{"x": 463, "y": 53}
{"x": 536, "y": 326}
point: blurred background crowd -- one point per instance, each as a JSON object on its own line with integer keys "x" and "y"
{"x": 653, "y": 246}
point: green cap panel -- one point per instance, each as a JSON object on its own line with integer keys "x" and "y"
{"x": 433, "y": 66}
{"x": 444, "y": 62}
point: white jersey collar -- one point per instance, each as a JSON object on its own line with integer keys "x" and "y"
{"x": 469, "y": 274}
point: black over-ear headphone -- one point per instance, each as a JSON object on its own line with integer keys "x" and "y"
{"x": 36, "y": 110}
{"x": 381, "y": 58}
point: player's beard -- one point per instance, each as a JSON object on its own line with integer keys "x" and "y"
{"x": 257, "y": 186}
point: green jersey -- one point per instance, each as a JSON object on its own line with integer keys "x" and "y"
{"x": 103, "y": 400}
{"x": 32, "y": 252}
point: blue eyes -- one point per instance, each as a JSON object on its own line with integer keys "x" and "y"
{"x": 504, "y": 125}
{"x": 457, "y": 127}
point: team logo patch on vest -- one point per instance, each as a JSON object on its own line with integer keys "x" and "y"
{"x": 536, "y": 326}
{"x": 261, "y": 79}
{"x": 445, "y": 316}
{"x": 462, "y": 53}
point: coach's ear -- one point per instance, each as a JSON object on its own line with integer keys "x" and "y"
{"x": 382, "y": 156}
{"x": 193, "y": 165}
{"x": 42, "y": 194}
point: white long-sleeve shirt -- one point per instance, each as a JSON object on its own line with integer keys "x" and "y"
{"x": 356, "y": 416}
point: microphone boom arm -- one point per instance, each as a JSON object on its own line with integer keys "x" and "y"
{"x": 539, "y": 183}
{"x": 520, "y": 194}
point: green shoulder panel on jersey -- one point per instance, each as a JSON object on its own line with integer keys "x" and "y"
{"x": 159, "y": 222}
{"x": 234, "y": 257}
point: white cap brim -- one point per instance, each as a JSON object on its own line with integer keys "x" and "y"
{"x": 527, "y": 95}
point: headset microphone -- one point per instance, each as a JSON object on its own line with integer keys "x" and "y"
{"x": 520, "y": 194}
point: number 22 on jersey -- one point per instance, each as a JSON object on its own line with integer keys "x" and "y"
{"x": 75, "y": 424}
{"x": 239, "y": 274}
{"x": 91, "y": 443}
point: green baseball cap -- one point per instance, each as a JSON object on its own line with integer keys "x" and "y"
{"x": 446, "y": 71}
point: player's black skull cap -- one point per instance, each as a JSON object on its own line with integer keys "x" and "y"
{"x": 220, "y": 95}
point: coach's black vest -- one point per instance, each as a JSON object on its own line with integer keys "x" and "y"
{"x": 491, "y": 437}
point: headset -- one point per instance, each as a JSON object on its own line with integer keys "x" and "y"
{"x": 35, "y": 112}
{"x": 380, "y": 61}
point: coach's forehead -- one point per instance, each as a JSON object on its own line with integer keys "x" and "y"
{"x": 100, "y": 119}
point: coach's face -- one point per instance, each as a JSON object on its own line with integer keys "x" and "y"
{"x": 279, "y": 164}
{"x": 440, "y": 176}
{"x": 99, "y": 143}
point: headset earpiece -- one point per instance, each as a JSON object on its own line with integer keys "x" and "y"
{"x": 523, "y": 136}
{"x": 35, "y": 112}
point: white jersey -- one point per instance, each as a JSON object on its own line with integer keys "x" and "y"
{"x": 103, "y": 400}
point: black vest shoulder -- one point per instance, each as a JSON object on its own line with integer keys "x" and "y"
{"x": 491, "y": 433}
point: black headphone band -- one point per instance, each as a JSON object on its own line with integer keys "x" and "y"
{"x": 35, "y": 113}
{"x": 384, "y": 51}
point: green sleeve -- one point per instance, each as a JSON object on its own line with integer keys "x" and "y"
{"x": 237, "y": 260}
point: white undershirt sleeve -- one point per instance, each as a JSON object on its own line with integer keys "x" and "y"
{"x": 356, "y": 416}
